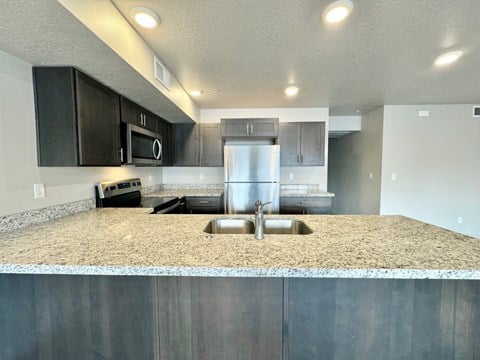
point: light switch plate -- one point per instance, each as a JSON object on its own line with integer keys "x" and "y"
{"x": 394, "y": 177}
{"x": 39, "y": 190}
{"x": 291, "y": 176}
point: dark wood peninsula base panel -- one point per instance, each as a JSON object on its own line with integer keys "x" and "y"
{"x": 130, "y": 317}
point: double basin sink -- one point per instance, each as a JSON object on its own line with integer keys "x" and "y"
{"x": 246, "y": 226}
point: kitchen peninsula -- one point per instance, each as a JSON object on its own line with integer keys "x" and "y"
{"x": 179, "y": 293}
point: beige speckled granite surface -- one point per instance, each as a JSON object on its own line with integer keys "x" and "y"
{"x": 305, "y": 193}
{"x": 187, "y": 192}
{"x": 133, "y": 242}
{"x": 218, "y": 192}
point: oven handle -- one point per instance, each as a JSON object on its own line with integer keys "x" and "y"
{"x": 170, "y": 208}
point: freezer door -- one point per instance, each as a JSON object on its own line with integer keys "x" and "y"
{"x": 252, "y": 163}
{"x": 240, "y": 197}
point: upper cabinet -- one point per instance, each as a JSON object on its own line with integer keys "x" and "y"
{"x": 136, "y": 115}
{"x": 186, "y": 145}
{"x": 242, "y": 128}
{"x": 198, "y": 145}
{"x": 211, "y": 145}
{"x": 302, "y": 144}
{"x": 164, "y": 129}
{"x": 78, "y": 119}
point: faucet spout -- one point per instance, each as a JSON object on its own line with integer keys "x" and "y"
{"x": 259, "y": 220}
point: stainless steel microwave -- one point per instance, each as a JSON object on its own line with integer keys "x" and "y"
{"x": 143, "y": 147}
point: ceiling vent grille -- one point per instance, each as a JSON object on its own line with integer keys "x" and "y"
{"x": 476, "y": 111}
{"x": 161, "y": 73}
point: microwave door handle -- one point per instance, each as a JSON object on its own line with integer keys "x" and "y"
{"x": 155, "y": 155}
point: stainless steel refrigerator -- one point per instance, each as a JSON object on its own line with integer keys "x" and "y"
{"x": 252, "y": 172}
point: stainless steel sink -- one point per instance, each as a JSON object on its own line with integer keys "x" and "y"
{"x": 230, "y": 226}
{"x": 246, "y": 226}
{"x": 286, "y": 226}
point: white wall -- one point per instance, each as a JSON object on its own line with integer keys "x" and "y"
{"x": 437, "y": 165}
{"x": 353, "y": 158}
{"x": 301, "y": 174}
{"x": 18, "y": 162}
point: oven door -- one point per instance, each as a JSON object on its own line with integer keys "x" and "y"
{"x": 144, "y": 147}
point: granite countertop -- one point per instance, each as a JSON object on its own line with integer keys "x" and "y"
{"x": 187, "y": 192}
{"x": 219, "y": 192}
{"x": 134, "y": 242}
{"x": 305, "y": 193}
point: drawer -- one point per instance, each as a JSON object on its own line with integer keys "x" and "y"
{"x": 306, "y": 201}
{"x": 305, "y": 205}
{"x": 204, "y": 201}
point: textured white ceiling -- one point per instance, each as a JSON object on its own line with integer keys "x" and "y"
{"x": 251, "y": 49}
{"x": 383, "y": 54}
{"x": 43, "y": 32}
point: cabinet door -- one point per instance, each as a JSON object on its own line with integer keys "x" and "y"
{"x": 264, "y": 127}
{"x": 164, "y": 129}
{"x": 312, "y": 144}
{"x": 288, "y": 138}
{"x": 130, "y": 112}
{"x": 98, "y": 117}
{"x": 235, "y": 127}
{"x": 220, "y": 318}
{"x": 55, "y": 116}
{"x": 186, "y": 145}
{"x": 149, "y": 121}
{"x": 211, "y": 150}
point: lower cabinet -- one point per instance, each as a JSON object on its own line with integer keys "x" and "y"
{"x": 305, "y": 205}
{"x": 204, "y": 205}
{"x": 135, "y": 317}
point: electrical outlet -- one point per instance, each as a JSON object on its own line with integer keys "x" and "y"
{"x": 201, "y": 176}
{"x": 460, "y": 219}
{"x": 38, "y": 191}
{"x": 394, "y": 177}
{"x": 150, "y": 179}
{"x": 370, "y": 176}
{"x": 291, "y": 176}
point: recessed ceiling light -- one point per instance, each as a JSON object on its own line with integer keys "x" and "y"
{"x": 291, "y": 91}
{"x": 196, "y": 92}
{"x": 448, "y": 58}
{"x": 337, "y": 11}
{"x": 145, "y": 17}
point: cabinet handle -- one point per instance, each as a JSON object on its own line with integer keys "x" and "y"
{"x": 305, "y": 202}
{"x": 145, "y": 120}
{"x": 248, "y": 131}
{"x": 251, "y": 129}
{"x": 121, "y": 155}
{"x": 204, "y": 201}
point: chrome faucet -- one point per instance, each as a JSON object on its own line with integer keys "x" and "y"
{"x": 259, "y": 221}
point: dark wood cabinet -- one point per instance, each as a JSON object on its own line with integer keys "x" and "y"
{"x": 305, "y": 205}
{"x": 198, "y": 145}
{"x": 302, "y": 144}
{"x": 78, "y": 119}
{"x": 137, "y": 115}
{"x": 133, "y": 317}
{"x": 211, "y": 145}
{"x": 164, "y": 129}
{"x": 220, "y": 318}
{"x": 241, "y": 128}
{"x": 346, "y": 319}
{"x": 204, "y": 205}
{"x": 186, "y": 145}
